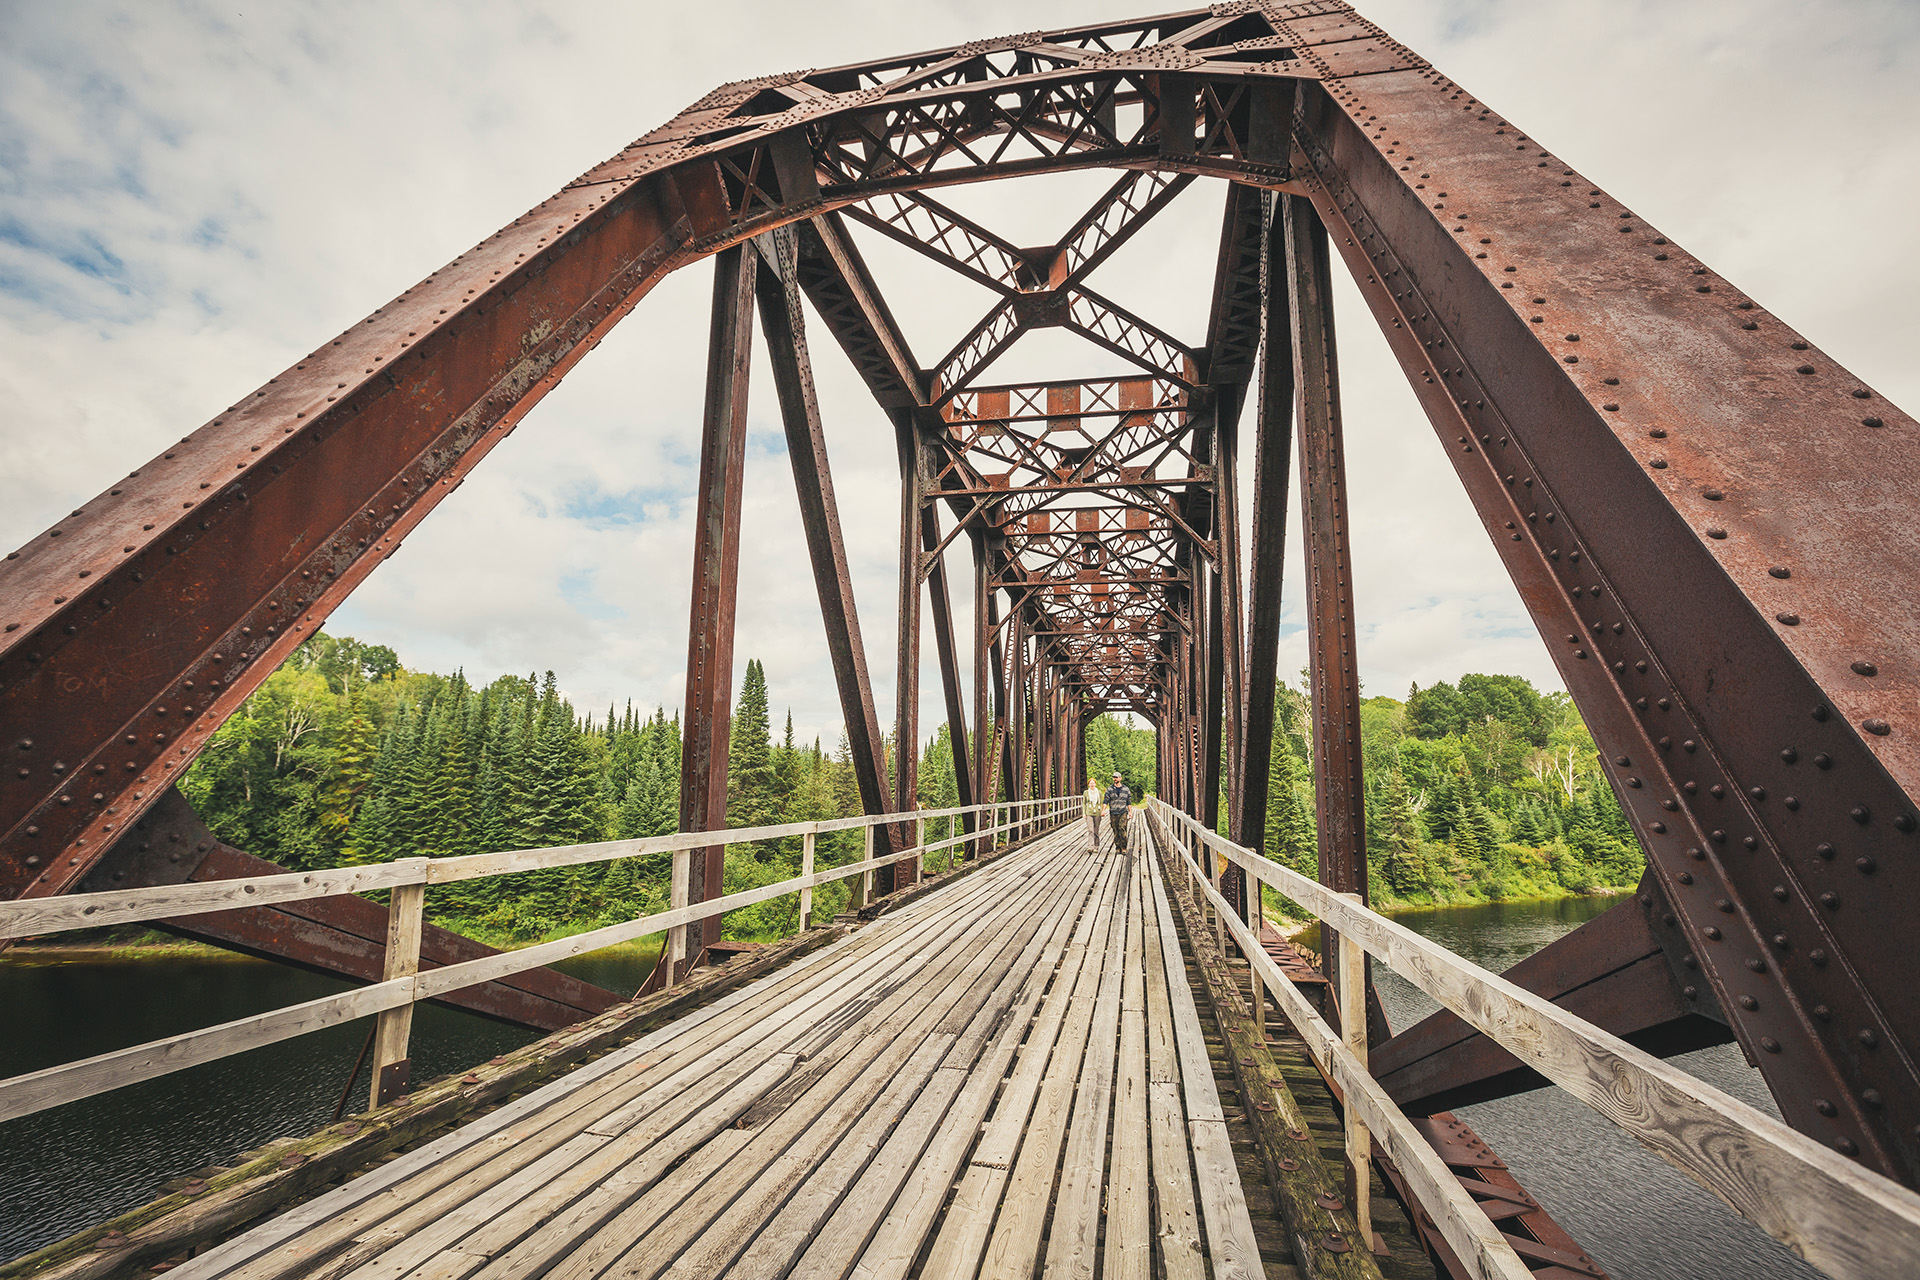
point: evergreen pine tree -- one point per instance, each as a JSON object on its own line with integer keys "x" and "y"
{"x": 353, "y": 765}
{"x": 750, "y": 773}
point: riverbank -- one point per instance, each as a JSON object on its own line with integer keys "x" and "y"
{"x": 1294, "y": 927}
{"x": 620, "y": 967}
{"x": 113, "y": 945}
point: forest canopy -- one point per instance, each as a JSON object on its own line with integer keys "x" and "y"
{"x": 344, "y": 756}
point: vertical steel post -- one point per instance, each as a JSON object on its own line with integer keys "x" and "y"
{"x": 982, "y": 679}
{"x": 716, "y": 574}
{"x": 1339, "y": 789}
{"x": 949, "y": 659}
{"x": 906, "y": 721}
{"x": 1272, "y": 457}
{"x": 783, "y": 323}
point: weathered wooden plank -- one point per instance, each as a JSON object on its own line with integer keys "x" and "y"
{"x": 1223, "y": 1207}
{"x": 38, "y": 1090}
{"x": 1464, "y": 1225}
{"x": 517, "y": 1131}
{"x": 1176, "y": 1215}
{"x": 504, "y": 1125}
{"x": 963, "y": 1235}
{"x": 706, "y": 1232}
{"x": 1014, "y": 1246}
{"x": 670, "y": 1213}
{"x": 889, "y": 1251}
{"x": 829, "y": 1222}
{"x": 1074, "y": 1238}
{"x": 807, "y": 1181}
{"x": 34, "y": 916}
{"x": 1129, "y": 1244}
{"x": 588, "y": 1204}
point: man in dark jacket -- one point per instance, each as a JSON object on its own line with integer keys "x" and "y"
{"x": 1118, "y": 799}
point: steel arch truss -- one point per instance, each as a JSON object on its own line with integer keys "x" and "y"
{"x": 1709, "y": 520}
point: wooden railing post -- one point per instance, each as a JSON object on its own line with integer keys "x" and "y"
{"x": 679, "y": 895}
{"x": 806, "y": 870}
{"x": 1255, "y": 987}
{"x": 920, "y": 841}
{"x": 863, "y": 883}
{"x": 392, "y": 1028}
{"x": 1353, "y": 1030}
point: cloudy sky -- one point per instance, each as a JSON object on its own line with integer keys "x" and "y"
{"x": 192, "y": 194}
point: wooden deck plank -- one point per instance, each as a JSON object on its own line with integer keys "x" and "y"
{"x": 1231, "y": 1246}
{"x": 743, "y": 1035}
{"x": 911, "y": 1208}
{"x": 1129, "y": 1244}
{"x": 1003, "y": 1077}
{"x": 963, "y": 1236}
{"x": 833, "y": 1220}
{"x": 1176, "y": 1221}
{"x": 817, "y": 1170}
{"x": 1014, "y": 1245}
{"x": 1073, "y": 1240}
{"x": 522, "y": 1131}
{"x": 704, "y": 1186}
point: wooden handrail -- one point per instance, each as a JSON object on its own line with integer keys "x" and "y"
{"x": 70, "y": 1082}
{"x": 1458, "y": 1216}
{"x": 1841, "y": 1217}
{"x": 30, "y": 917}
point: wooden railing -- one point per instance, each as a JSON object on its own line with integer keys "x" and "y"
{"x": 403, "y": 983}
{"x": 1845, "y": 1219}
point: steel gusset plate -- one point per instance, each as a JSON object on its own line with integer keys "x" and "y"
{"x": 1703, "y": 515}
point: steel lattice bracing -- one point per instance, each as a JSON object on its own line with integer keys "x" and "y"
{"x": 1673, "y": 477}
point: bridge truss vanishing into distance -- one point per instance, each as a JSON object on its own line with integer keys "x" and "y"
{"x": 1710, "y": 522}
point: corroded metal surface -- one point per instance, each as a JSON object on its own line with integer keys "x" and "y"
{"x": 1709, "y": 520}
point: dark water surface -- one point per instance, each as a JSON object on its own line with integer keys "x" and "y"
{"x": 1638, "y": 1217}
{"x": 68, "y": 1168}
{"x": 73, "y": 1166}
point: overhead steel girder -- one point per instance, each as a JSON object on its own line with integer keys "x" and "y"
{"x": 1673, "y": 477}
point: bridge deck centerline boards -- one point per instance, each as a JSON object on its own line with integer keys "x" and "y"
{"x": 968, "y": 1086}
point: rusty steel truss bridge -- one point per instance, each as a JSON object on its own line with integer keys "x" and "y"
{"x": 1710, "y": 522}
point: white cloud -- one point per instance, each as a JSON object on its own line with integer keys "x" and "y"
{"x": 189, "y": 198}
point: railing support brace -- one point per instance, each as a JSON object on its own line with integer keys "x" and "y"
{"x": 806, "y": 872}
{"x": 394, "y": 1027}
{"x": 1353, "y": 1030}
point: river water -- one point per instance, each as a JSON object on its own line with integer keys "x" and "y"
{"x": 64, "y": 1169}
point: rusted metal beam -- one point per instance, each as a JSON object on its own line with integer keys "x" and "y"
{"x": 784, "y": 325}
{"x": 1678, "y": 504}
{"x": 190, "y": 580}
{"x": 708, "y": 707}
{"x": 1273, "y": 450}
{"x": 949, "y": 659}
{"x": 906, "y": 687}
{"x": 1339, "y": 787}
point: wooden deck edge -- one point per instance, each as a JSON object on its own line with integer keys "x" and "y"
{"x": 267, "y": 1179}
{"x": 1302, "y": 1181}
{"x": 927, "y": 884}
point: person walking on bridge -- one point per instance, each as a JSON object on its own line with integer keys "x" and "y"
{"x": 1092, "y": 799}
{"x": 1118, "y": 799}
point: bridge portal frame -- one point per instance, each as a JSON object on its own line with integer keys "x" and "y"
{"x": 1697, "y": 500}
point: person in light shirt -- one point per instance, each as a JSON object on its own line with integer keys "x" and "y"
{"x": 1093, "y": 812}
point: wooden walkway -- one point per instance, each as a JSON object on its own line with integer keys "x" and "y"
{"x": 1006, "y": 1077}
